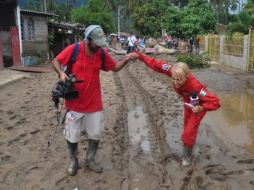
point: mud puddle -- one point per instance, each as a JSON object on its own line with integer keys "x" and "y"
{"x": 234, "y": 120}
{"x": 137, "y": 127}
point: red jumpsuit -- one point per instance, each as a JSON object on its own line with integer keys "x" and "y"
{"x": 206, "y": 99}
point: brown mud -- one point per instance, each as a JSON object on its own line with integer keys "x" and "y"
{"x": 140, "y": 148}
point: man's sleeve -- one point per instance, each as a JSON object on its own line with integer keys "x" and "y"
{"x": 157, "y": 65}
{"x": 64, "y": 56}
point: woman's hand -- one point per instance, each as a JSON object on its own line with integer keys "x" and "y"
{"x": 197, "y": 109}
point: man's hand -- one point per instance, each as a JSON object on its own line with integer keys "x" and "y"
{"x": 132, "y": 56}
{"x": 63, "y": 77}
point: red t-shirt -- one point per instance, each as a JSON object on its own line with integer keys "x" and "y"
{"x": 87, "y": 69}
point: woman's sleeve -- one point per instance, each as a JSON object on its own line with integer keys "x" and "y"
{"x": 157, "y": 65}
{"x": 208, "y": 100}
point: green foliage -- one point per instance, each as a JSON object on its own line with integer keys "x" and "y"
{"x": 242, "y": 24}
{"x": 194, "y": 60}
{"x": 30, "y": 5}
{"x": 148, "y": 18}
{"x": 197, "y": 18}
{"x": 153, "y": 16}
{"x": 51, "y": 37}
{"x": 93, "y": 13}
{"x": 63, "y": 11}
{"x": 171, "y": 21}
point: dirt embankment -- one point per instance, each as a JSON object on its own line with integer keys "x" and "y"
{"x": 140, "y": 147}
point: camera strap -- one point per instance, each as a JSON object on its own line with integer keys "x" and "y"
{"x": 74, "y": 56}
{"x": 72, "y": 59}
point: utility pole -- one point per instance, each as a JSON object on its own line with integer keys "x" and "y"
{"x": 118, "y": 21}
{"x": 45, "y": 6}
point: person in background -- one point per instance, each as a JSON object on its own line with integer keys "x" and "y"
{"x": 196, "y": 45}
{"x": 86, "y": 110}
{"x": 197, "y": 100}
{"x": 132, "y": 43}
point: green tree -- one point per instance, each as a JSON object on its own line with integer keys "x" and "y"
{"x": 179, "y": 3}
{"x": 93, "y": 13}
{"x": 242, "y": 25}
{"x": 171, "y": 21}
{"x": 249, "y": 7}
{"x": 221, "y": 9}
{"x": 196, "y": 18}
{"x": 148, "y": 18}
{"x": 30, "y": 5}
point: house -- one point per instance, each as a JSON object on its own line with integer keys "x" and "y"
{"x": 24, "y": 35}
{"x": 34, "y": 34}
{"x": 64, "y": 34}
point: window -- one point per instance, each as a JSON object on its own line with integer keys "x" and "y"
{"x": 22, "y": 29}
{"x": 31, "y": 31}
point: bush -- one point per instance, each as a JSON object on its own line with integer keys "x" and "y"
{"x": 194, "y": 60}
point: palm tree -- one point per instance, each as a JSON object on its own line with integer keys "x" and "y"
{"x": 249, "y": 7}
{"x": 244, "y": 22}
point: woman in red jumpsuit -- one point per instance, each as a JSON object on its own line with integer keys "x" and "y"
{"x": 188, "y": 87}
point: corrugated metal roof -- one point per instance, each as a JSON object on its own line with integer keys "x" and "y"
{"x": 68, "y": 25}
{"x": 37, "y": 12}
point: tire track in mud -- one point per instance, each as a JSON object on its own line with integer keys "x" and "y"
{"x": 121, "y": 129}
{"x": 134, "y": 95}
{"x": 155, "y": 123}
{"x": 120, "y": 147}
{"x": 158, "y": 122}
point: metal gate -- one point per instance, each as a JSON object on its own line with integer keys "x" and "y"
{"x": 214, "y": 47}
{"x": 251, "y": 49}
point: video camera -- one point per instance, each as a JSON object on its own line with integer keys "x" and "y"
{"x": 64, "y": 90}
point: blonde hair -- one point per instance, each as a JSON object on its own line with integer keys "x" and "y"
{"x": 181, "y": 69}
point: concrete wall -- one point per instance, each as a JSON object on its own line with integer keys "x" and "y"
{"x": 239, "y": 62}
{"x": 38, "y": 46}
{"x": 235, "y": 61}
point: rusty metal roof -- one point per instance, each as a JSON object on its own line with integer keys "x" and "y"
{"x": 36, "y": 12}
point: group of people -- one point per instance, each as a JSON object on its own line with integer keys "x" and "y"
{"x": 170, "y": 42}
{"x": 135, "y": 43}
{"x": 86, "y": 111}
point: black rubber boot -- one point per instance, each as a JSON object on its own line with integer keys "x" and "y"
{"x": 187, "y": 156}
{"x": 90, "y": 156}
{"x": 73, "y": 152}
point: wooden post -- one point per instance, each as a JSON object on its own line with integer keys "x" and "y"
{"x": 15, "y": 46}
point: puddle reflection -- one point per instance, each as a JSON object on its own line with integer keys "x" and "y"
{"x": 138, "y": 133}
{"x": 235, "y": 119}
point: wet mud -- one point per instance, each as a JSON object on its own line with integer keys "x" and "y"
{"x": 140, "y": 148}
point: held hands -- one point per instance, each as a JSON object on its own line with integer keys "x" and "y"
{"x": 132, "y": 56}
{"x": 197, "y": 109}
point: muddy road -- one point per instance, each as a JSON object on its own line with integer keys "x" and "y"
{"x": 141, "y": 146}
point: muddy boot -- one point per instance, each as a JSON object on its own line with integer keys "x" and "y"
{"x": 73, "y": 152}
{"x": 187, "y": 156}
{"x": 90, "y": 154}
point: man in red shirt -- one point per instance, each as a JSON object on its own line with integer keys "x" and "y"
{"x": 86, "y": 110}
{"x": 196, "y": 98}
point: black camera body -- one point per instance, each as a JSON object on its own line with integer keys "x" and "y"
{"x": 64, "y": 90}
